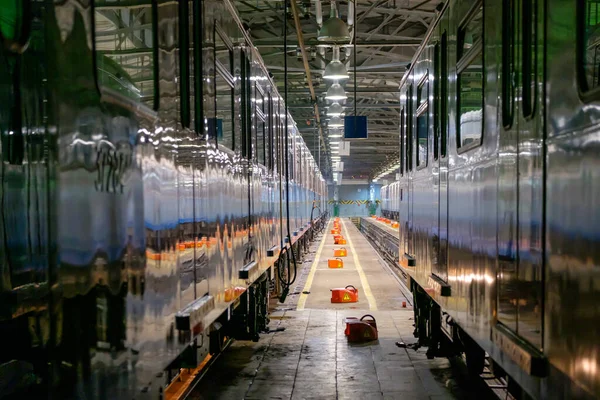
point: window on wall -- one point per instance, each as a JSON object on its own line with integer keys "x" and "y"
{"x": 422, "y": 121}
{"x": 470, "y": 80}
{"x": 589, "y": 44}
{"x": 224, "y": 84}
{"x": 508, "y": 61}
{"x": 126, "y": 61}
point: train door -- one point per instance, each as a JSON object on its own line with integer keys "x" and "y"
{"x": 403, "y": 195}
{"x": 521, "y": 171}
{"x": 406, "y": 195}
{"x": 440, "y": 156}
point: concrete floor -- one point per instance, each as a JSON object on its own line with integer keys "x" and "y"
{"x": 311, "y": 359}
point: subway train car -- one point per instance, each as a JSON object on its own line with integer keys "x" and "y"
{"x": 152, "y": 197}
{"x": 499, "y": 189}
{"x": 390, "y": 195}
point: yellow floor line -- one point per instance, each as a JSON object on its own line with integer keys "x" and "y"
{"x": 311, "y": 274}
{"x": 363, "y": 278}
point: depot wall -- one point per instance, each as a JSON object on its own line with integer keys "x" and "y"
{"x": 353, "y": 192}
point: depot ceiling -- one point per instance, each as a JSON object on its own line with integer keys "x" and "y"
{"x": 385, "y": 35}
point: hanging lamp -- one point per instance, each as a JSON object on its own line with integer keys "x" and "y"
{"x": 334, "y": 29}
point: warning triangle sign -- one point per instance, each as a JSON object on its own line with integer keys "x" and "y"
{"x": 346, "y": 297}
{"x": 367, "y": 334}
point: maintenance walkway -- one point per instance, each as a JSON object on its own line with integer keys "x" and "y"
{"x": 311, "y": 358}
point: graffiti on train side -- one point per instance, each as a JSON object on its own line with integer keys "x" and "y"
{"x": 112, "y": 165}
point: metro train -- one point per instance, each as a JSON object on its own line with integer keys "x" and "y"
{"x": 154, "y": 193}
{"x": 498, "y": 190}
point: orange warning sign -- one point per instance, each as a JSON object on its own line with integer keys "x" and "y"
{"x": 346, "y": 297}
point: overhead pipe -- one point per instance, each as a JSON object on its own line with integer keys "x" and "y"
{"x": 350, "y": 12}
{"x": 319, "y": 13}
{"x": 313, "y": 95}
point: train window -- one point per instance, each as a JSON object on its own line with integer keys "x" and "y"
{"x": 14, "y": 24}
{"x": 402, "y": 132}
{"x": 197, "y": 98}
{"x": 443, "y": 84}
{"x": 270, "y": 133}
{"x": 436, "y": 98}
{"x": 409, "y": 129}
{"x": 422, "y": 121}
{"x": 470, "y": 82}
{"x": 589, "y": 45}
{"x": 224, "y": 83}
{"x": 529, "y": 57}
{"x": 441, "y": 96}
{"x": 246, "y": 113}
{"x": 185, "y": 59}
{"x": 471, "y": 31}
{"x": 126, "y": 62}
{"x": 261, "y": 119}
{"x": 508, "y": 62}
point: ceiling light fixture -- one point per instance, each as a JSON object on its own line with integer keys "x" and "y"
{"x": 336, "y": 122}
{"x": 336, "y": 92}
{"x": 335, "y": 110}
{"x": 336, "y": 70}
{"x": 334, "y": 29}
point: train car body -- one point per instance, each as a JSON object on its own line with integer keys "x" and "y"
{"x": 498, "y": 186}
{"x": 144, "y": 192}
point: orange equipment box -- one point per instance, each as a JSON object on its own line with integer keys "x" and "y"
{"x": 348, "y": 294}
{"x": 335, "y": 232}
{"x": 339, "y": 240}
{"x": 395, "y": 225}
{"x": 361, "y": 330}
{"x": 335, "y": 263}
{"x": 340, "y": 252}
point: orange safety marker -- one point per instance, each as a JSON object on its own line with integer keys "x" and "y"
{"x": 361, "y": 330}
{"x": 395, "y": 225}
{"x": 335, "y": 263}
{"x": 336, "y": 237}
{"x": 335, "y": 232}
{"x": 348, "y": 294}
{"x": 339, "y": 240}
{"x": 340, "y": 252}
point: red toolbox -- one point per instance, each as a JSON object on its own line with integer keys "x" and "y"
{"x": 348, "y": 294}
{"x": 361, "y": 330}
